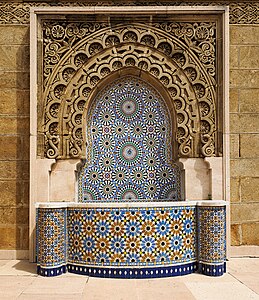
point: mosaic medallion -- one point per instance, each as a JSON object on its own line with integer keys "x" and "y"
{"x": 129, "y": 108}
{"x": 129, "y": 194}
{"x": 129, "y": 152}
{"x": 130, "y": 132}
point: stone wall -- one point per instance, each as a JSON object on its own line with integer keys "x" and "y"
{"x": 14, "y": 136}
{"x": 244, "y": 127}
{"x": 14, "y": 127}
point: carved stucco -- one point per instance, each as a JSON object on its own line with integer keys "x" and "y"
{"x": 241, "y": 12}
{"x": 179, "y": 57}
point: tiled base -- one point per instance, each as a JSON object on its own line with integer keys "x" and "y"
{"x": 101, "y": 242}
{"x": 137, "y": 273}
{"x": 212, "y": 270}
{"x": 50, "y": 272}
{"x": 149, "y": 272}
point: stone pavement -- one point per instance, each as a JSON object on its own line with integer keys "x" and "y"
{"x": 18, "y": 280}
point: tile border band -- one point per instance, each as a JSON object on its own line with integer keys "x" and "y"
{"x": 135, "y": 273}
{"x": 208, "y": 203}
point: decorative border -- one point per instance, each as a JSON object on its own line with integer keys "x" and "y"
{"x": 134, "y": 273}
{"x": 51, "y": 272}
{"x": 73, "y": 71}
{"x": 19, "y": 13}
{"x": 212, "y": 270}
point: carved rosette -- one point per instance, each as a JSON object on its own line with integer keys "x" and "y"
{"x": 179, "y": 56}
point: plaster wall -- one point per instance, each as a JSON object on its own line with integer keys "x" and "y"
{"x": 14, "y": 135}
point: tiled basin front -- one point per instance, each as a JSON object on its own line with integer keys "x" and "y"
{"x": 131, "y": 240}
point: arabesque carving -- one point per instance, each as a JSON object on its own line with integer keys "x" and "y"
{"x": 241, "y": 12}
{"x": 180, "y": 56}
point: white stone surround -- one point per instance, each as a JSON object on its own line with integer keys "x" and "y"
{"x": 204, "y": 178}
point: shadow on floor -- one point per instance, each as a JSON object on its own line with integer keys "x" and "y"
{"x": 26, "y": 266}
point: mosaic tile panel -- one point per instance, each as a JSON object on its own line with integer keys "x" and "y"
{"x": 131, "y": 237}
{"x": 212, "y": 239}
{"x": 51, "y": 238}
{"x": 132, "y": 242}
{"x": 129, "y": 147}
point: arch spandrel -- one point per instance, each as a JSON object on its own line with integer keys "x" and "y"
{"x": 186, "y": 108}
{"x": 186, "y": 76}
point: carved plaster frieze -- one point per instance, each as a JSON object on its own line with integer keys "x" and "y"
{"x": 241, "y": 12}
{"x": 179, "y": 56}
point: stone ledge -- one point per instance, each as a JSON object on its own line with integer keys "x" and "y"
{"x": 244, "y": 251}
{"x": 14, "y": 254}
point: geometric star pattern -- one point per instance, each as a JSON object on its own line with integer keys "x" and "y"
{"x": 131, "y": 237}
{"x": 129, "y": 149}
{"x": 212, "y": 234}
{"x": 51, "y": 236}
{"x": 140, "y": 241}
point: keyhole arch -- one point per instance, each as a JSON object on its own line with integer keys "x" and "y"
{"x": 130, "y": 148}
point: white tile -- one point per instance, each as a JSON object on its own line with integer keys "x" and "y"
{"x": 13, "y": 286}
{"x": 25, "y": 296}
{"x": 57, "y": 285}
{"x": 3, "y": 263}
{"x": 243, "y": 265}
{"x": 221, "y": 290}
{"x": 110, "y": 289}
{"x": 19, "y": 267}
{"x": 251, "y": 280}
{"x": 196, "y": 277}
{"x": 241, "y": 283}
{"x": 169, "y": 289}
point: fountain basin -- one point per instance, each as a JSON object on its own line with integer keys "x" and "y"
{"x": 131, "y": 239}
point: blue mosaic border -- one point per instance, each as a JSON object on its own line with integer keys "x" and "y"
{"x": 212, "y": 270}
{"x": 134, "y": 273}
{"x": 51, "y": 272}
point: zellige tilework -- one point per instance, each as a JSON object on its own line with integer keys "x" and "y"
{"x": 129, "y": 146}
{"x": 131, "y": 237}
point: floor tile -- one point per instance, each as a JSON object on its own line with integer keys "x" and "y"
{"x": 208, "y": 279}
{"x": 13, "y": 286}
{"x": 164, "y": 290}
{"x": 251, "y": 280}
{"x": 19, "y": 267}
{"x": 3, "y": 263}
{"x": 243, "y": 265}
{"x": 110, "y": 289}
{"x": 57, "y": 285}
{"x": 221, "y": 290}
{"x": 25, "y": 296}
{"x": 18, "y": 280}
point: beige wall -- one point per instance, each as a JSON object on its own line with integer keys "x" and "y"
{"x": 244, "y": 127}
{"x": 14, "y": 135}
